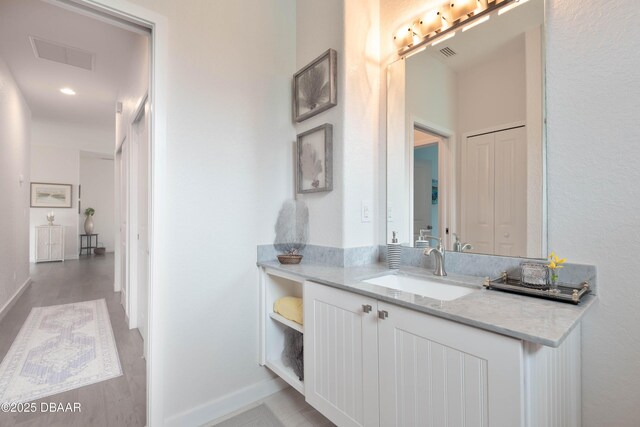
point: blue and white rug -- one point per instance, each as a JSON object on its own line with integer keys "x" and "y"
{"x": 60, "y": 348}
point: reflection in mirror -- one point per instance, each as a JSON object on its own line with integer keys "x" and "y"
{"x": 465, "y": 139}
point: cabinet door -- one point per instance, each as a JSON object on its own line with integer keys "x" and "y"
{"x": 435, "y": 372}
{"x": 341, "y": 355}
{"x": 56, "y": 243}
{"x": 42, "y": 244}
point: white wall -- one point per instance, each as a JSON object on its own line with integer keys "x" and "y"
{"x": 73, "y": 136}
{"x": 15, "y": 118}
{"x": 361, "y": 125}
{"x": 96, "y": 179}
{"x": 59, "y": 166}
{"x": 433, "y": 93}
{"x": 319, "y": 26}
{"x": 134, "y": 88}
{"x": 351, "y": 28}
{"x": 593, "y": 143}
{"x": 493, "y": 92}
{"x": 230, "y": 166}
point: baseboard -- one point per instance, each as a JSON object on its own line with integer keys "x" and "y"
{"x": 224, "y": 405}
{"x": 5, "y": 309}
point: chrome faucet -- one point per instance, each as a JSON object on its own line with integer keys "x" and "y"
{"x": 460, "y": 247}
{"x": 438, "y": 253}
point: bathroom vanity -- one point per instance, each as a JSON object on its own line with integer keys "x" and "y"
{"x": 379, "y": 356}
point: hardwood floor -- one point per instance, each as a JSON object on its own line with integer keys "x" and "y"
{"x": 117, "y": 402}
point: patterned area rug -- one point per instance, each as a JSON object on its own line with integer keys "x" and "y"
{"x": 60, "y": 348}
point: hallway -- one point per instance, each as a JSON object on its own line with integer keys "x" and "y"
{"x": 115, "y": 402}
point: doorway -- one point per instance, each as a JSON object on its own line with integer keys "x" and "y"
{"x": 426, "y": 182}
{"x": 123, "y": 13}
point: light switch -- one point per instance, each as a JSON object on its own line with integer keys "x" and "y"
{"x": 365, "y": 211}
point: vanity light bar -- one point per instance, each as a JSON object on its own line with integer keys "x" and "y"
{"x": 446, "y": 20}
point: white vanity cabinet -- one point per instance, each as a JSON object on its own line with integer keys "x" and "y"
{"x": 49, "y": 243}
{"x": 341, "y": 355}
{"x": 372, "y": 363}
{"x": 435, "y": 372}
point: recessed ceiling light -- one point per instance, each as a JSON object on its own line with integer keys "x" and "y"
{"x": 68, "y": 91}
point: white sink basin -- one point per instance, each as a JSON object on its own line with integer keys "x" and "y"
{"x": 422, "y": 286}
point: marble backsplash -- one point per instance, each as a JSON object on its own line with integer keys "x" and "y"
{"x": 339, "y": 257}
{"x": 491, "y": 265}
{"x": 467, "y": 263}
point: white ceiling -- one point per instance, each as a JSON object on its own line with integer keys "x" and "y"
{"x": 481, "y": 41}
{"x": 40, "y": 80}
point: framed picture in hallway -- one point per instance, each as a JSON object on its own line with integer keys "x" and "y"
{"x": 45, "y": 195}
{"x": 314, "y": 161}
{"x": 315, "y": 88}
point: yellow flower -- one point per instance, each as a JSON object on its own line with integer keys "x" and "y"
{"x": 555, "y": 262}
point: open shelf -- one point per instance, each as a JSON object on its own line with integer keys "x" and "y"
{"x": 290, "y": 323}
{"x": 286, "y": 374}
{"x": 275, "y": 327}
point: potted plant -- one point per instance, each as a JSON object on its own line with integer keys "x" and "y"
{"x": 292, "y": 230}
{"x": 88, "y": 223}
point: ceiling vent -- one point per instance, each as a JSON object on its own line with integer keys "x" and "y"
{"x": 447, "y": 52}
{"x": 53, "y": 51}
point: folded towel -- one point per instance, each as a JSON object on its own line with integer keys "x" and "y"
{"x": 289, "y": 308}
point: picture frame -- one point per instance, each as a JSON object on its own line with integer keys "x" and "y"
{"x": 315, "y": 87}
{"x": 314, "y": 160}
{"x": 50, "y": 195}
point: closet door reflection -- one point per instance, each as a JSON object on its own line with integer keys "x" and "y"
{"x": 494, "y": 192}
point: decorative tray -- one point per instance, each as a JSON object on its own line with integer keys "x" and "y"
{"x": 565, "y": 292}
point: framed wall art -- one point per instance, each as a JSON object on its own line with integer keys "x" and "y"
{"x": 314, "y": 87}
{"x": 314, "y": 160}
{"x": 45, "y": 195}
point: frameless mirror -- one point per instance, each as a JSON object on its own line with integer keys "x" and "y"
{"x": 465, "y": 139}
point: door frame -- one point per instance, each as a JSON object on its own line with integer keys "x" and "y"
{"x": 124, "y": 12}
{"x": 118, "y": 284}
{"x": 132, "y": 221}
{"x": 446, "y": 174}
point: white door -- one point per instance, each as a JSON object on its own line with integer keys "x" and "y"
{"x": 42, "y": 244}
{"x": 421, "y": 196}
{"x": 124, "y": 230}
{"x": 511, "y": 193}
{"x": 56, "y": 243}
{"x": 477, "y": 195}
{"x": 435, "y": 372}
{"x": 341, "y": 355}
{"x": 140, "y": 132}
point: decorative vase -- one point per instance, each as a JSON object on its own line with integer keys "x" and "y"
{"x": 88, "y": 225}
{"x": 553, "y": 282}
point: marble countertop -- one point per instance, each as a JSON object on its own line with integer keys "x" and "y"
{"x": 531, "y": 319}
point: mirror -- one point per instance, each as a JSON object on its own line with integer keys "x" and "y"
{"x": 465, "y": 139}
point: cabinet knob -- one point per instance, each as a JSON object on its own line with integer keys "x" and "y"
{"x": 366, "y": 308}
{"x": 383, "y": 314}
